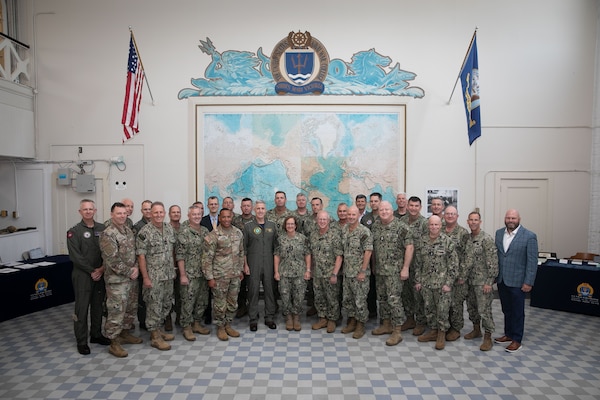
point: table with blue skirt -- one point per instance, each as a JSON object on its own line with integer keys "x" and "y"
{"x": 567, "y": 286}
{"x": 30, "y": 290}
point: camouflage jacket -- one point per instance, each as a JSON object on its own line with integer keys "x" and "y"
{"x": 158, "y": 248}
{"x": 355, "y": 243}
{"x": 118, "y": 252}
{"x": 325, "y": 249}
{"x": 292, "y": 252}
{"x": 389, "y": 244}
{"x": 481, "y": 259}
{"x": 189, "y": 249}
{"x": 223, "y": 253}
{"x": 437, "y": 261}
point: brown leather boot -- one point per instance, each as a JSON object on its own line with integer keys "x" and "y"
{"x": 487, "y": 342}
{"x": 440, "y": 342}
{"x": 296, "y": 321}
{"x": 350, "y": 325}
{"x": 126, "y": 337}
{"x": 168, "y": 323}
{"x": 167, "y": 336}
{"x": 430, "y": 336}
{"x": 395, "y": 337}
{"x": 331, "y": 326}
{"x": 408, "y": 324}
{"x": 115, "y": 348}
{"x": 157, "y": 341}
{"x": 419, "y": 330}
{"x": 384, "y": 328}
{"x": 452, "y": 335}
{"x": 359, "y": 331}
{"x": 197, "y": 327}
{"x": 289, "y": 323}
{"x": 188, "y": 334}
{"x": 320, "y": 324}
{"x": 230, "y": 331}
{"x": 475, "y": 333}
{"x": 221, "y": 333}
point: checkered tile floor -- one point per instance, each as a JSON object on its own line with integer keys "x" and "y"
{"x": 560, "y": 359}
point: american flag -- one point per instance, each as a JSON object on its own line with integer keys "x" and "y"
{"x": 133, "y": 93}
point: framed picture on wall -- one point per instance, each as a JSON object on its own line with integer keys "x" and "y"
{"x": 330, "y": 151}
{"x": 448, "y": 195}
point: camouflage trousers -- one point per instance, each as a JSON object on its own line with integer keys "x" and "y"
{"x": 460, "y": 293}
{"x": 355, "y": 298}
{"x": 389, "y": 295}
{"x": 121, "y": 305}
{"x": 437, "y": 307}
{"x": 159, "y": 301}
{"x": 327, "y": 299}
{"x": 482, "y": 307}
{"x": 292, "y": 290}
{"x": 193, "y": 301}
{"x": 412, "y": 300}
{"x": 225, "y": 295}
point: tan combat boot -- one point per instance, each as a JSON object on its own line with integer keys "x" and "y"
{"x": 188, "y": 334}
{"x": 127, "y": 338}
{"x": 419, "y": 330}
{"x": 452, "y": 335}
{"x": 197, "y": 327}
{"x": 296, "y": 321}
{"x": 116, "y": 350}
{"x": 359, "y": 331}
{"x": 331, "y": 326}
{"x": 221, "y": 333}
{"x": 157, "y": 341}
{"x": 475, "y": 333}
{"x": 430, "y": 336}
{"x": 166, "y": 336}
{"x": 350, "y": 326}
{"x": 289, "y": 323}
{"x": 320, "y": 324}
{"x": 487, "y": 342}
{"x": 384, "y": 328}
{"x": 230, "y": 331}
{"x": 395, "y": 337}
{"x": 440, "y": 342}
{"x": 408, "y": 324}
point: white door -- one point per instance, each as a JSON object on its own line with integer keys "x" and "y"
{"x": 530, "y": 197}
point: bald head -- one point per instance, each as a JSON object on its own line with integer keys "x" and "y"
{"x": 512, "y": 219}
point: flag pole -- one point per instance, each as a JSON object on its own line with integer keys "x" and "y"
{"x": 462, "y": 65}
{"x": 141, "y": 63}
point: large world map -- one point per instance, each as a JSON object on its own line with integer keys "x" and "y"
{"x": 331, "y": 155}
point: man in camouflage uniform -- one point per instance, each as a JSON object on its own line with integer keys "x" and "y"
{"x": 389, "y": 245}
{"x": 327, "y": 252}
{"x": 146, "y": 217}
{"x": 459, "y": 236}
{"x": 154, "y": 247}
{"x": 301, "y": 212}
{"x": 358, "y": 246}
{"x": 129, "y": 207}
{"x": 437, "y": 263}
{"x": 239, "y": 221}
{"x": 117, "y": 245}
{"x": 411, "y": 299}
{"x": 87, "y": 277}
{"x": 280, "y": 212}
{"x": 481, "y": 265}
{"x": 222, "y": 264}
{"x": 193, "y": 289}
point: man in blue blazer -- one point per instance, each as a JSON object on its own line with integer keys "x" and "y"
{"x": 517, "y": 265}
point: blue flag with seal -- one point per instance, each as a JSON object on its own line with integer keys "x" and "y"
{"x": 469, "y": 79}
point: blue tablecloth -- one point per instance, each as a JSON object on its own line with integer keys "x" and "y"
{"x": 567, "y": 287}
{"x": 36, "y": 289}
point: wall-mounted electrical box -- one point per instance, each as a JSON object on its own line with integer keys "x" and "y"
{"x": 64, "y": 177}
{"x": 85, "y": 183}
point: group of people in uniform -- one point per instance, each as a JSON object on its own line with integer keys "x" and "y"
{"x": 410, "y": 271}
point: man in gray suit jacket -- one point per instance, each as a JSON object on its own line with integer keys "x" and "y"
{"x": 517, "y": 264}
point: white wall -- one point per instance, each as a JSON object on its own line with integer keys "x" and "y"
{"x": 536, "y": 59}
